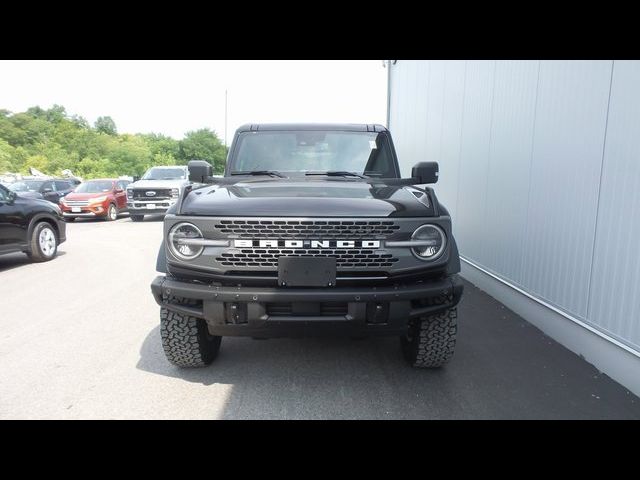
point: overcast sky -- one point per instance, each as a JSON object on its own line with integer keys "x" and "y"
{"x": 173, "y": 97}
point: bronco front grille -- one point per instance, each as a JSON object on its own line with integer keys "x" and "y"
{"x": 268, "y": 258}
{"x": 300, "y": 229}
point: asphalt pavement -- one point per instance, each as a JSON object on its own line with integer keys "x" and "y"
{"x": 79, "y": 339}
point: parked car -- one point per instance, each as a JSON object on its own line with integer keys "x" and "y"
{"x": 33, "y": 226}
{"x": 157, "y": 190}
{"x": 312, "y": 231}
{"x": 103, "y": 198}
{"x": 50, "y": 189}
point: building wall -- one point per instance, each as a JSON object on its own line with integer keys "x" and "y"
{"x": 540, "y": 169}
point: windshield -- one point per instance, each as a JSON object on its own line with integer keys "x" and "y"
{"x": 95, "y": 187}
{"x": 165, "y": 174}
{"x": 365, "y": 153}
{"x": 28, "y": 186}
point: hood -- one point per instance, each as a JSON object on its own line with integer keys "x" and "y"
{"x": 158, "y": 184}
{"x": 37, "y": 203}
{"x": 29, "y": 195}
{"x": 86, "y": 196}
{"x": 301, "y": 198}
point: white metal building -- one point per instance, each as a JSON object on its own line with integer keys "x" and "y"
{"x": 540, "y": 170}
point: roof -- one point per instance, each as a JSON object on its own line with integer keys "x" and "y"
{"x": 348, "y": 127}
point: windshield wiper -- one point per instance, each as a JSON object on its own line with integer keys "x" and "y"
{"x": 335, "y": 173}
{"x": 272, "y": 173}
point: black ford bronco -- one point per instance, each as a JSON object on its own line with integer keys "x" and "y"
{"x": 311, "y": 231}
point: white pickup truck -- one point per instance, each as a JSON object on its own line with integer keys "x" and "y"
{"x": 157, "y": 190}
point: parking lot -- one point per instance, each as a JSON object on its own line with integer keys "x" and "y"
{"x": 79, "y": 338}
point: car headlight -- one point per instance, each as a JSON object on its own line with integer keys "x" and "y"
{"x": 175, "y": 192}
{"x": 98, "y": 199}
{"x": 179, "y": 237}
{"x": 129, "y": 193}
{"x": 435, "y": 241}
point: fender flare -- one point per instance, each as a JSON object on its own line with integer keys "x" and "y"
{"x": 36, "y": 218}
{"x": 161, "y": 260}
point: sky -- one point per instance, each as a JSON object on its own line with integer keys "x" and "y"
{"x": 173, "y": 97}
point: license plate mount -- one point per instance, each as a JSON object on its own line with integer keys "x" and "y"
{"x": 306, "y": 271}
{"x": 151, "y": 206}
{"x": 76, "y": 209}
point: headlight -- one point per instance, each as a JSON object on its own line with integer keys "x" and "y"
{"x": 175, "y": 192}
{"x": 98, "y": 199}
{"x": 179, "y": 237}
{"x": 129, "y": 193}
{"x": 435, "y": 242}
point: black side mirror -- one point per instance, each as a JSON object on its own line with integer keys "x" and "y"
{"x": 11, "y": 197}
{"x": 136, "y": 178}
{"x": 47, "y": 190}
{"x": 199, "y": 171}
{"x": 425, "y": 172}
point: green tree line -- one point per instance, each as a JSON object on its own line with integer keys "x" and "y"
{"x": 52, "y": 141}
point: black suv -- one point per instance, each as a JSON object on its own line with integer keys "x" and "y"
{"x": 50, "y": 189}
{"x": 311, "y": 230}
{"x": 33, "y": 226}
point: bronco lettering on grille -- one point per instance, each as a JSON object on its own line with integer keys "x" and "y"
{"x": 307, "y": 243}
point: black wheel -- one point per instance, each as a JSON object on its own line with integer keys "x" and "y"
{"x": 112, "y": 213}
{"x": 430, "y": 341}
{"x": 186, "y": 340}
{"x": 43, "y": 244}
{"x": 136, "y": 218}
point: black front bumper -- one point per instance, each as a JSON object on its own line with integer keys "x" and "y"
{"x": 275, "y": 312}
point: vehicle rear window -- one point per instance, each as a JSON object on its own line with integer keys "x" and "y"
{"x": 97, "y": 186}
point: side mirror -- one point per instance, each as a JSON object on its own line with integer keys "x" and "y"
{"x": 119, "y": 190}
{"x": 11, "y": 197}
{"x": 425, "y": 172}
{"x": 199, "y": 171}
{"x": 47, "y": 190}
{"x": 136, "y": 178}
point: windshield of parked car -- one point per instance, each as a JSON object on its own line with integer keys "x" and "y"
{"x": 165, "y": 174}
{"x": 26, "y": 186}
{"x": 364, "y": 153}
{"x": 97, "y": 186}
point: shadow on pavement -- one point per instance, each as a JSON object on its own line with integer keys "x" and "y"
{"x": 503, "y": 368}
{"x": 15, "y": 260}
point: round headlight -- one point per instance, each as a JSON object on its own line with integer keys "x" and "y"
{"x": 434, "y": 240}
{"x": 179, "y": 237}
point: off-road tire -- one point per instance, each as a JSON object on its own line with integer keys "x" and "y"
{"x": 35, "y": 252}
{"x": 136, "y": 218}
{"x": 430, "y": 341}
{"x": 186, "y": 340}
{"x": 107, "y": 217}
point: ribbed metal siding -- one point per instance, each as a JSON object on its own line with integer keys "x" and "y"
{"x": 505, "y": 219}
{"x": 521, "y": 148}
{"x": 615, "y": 281}
{"x": 571, "y": 114}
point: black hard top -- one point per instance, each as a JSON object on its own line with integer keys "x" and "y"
{"x": 349, "y": 127}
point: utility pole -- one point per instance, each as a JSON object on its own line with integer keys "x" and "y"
{"x": 225, "y": 118}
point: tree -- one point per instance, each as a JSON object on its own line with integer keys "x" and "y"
{"x": 7, "y": 153}
{"x": 203, "y": 144}
{"x": 106, "y": 125}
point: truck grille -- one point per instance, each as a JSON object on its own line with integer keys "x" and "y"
{"x": 268, "y": 258}
{"x": 160, "y": 193}
{"x": 300, "y": 229}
